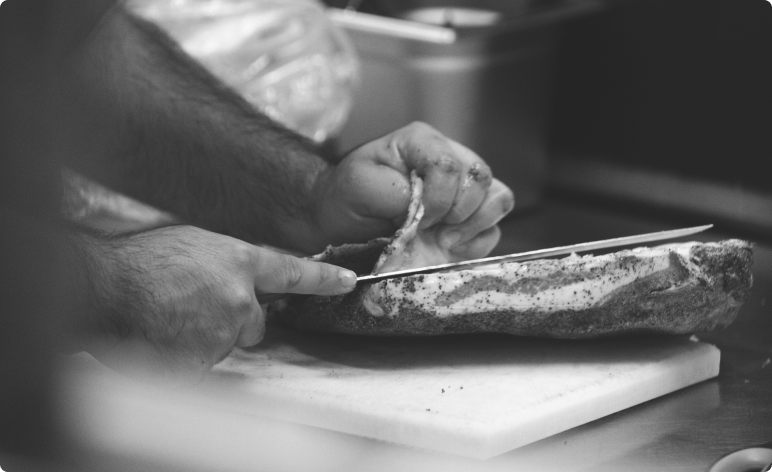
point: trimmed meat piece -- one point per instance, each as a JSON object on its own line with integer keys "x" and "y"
{"x": 674, "y": 288}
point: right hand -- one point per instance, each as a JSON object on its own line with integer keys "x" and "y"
{"x": 176, "y": 300}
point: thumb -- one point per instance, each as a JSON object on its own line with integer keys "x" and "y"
{"x": 281, "y": 273}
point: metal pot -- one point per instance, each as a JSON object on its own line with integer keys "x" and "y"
{"x": 481, "y": 75}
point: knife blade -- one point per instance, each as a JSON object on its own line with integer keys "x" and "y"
{"x": 539, "y": 253}
{"x": 518, "y": 257}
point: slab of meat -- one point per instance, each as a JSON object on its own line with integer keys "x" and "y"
{"x": 674, "y": 288}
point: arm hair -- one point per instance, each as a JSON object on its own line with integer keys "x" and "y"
{"x": 154, "y": 124}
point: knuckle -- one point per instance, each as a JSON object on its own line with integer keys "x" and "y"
{"x": 243, "y": 254}
{"x": 325, "y": 275}
{"x": 447, "y": 164}
{"x": 240, "y": 300}
{"x": 292, "y": 272}
{"x": 481, "y": 173}
{"x": 425, "y": 136}
{"x": 420, "y": 128}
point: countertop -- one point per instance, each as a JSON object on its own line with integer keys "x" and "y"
{"x": 688, "y": 430}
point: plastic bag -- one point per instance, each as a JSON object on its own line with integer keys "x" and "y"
{"x": 283, "y": 56}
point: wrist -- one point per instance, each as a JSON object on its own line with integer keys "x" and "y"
{"x": 85, "y": 265}
{"x": 95, "y": 260}
{"x": 305, "y": 232}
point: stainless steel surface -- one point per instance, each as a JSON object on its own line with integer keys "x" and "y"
{"x": 745, "y": 460}
{"x": 487, "y": 89}
{"x": 740, "y": 205}
{"x": 540, "y": 253}
{"x": 375, "y": 24}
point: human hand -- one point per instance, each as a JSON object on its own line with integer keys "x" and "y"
{"x": 176, "y": 300}
{"x": 366, "y": 195}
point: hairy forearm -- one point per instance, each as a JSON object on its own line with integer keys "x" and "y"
{"x": 91, "y": 265}
{"x": 160, "y": 128}
{"x": 117, "y": 274}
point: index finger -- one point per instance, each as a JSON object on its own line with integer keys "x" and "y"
{"x": 281, "y": 273}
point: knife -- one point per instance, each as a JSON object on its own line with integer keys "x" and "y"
{"x": 521, "y": 256}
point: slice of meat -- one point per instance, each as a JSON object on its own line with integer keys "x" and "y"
{"x": 411, "y": 246}
{"x": 675, "y": 288}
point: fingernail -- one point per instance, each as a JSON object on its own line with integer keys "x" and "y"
{"x": 347, "y": 278}
{"x": 449, "y": 239}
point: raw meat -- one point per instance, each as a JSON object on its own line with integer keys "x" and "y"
{"x": 675, "y": 288}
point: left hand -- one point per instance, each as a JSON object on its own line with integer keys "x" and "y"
{"x": 367, "y": 194}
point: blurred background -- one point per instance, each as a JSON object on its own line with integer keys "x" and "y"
{"x": 659, "y": 106}
{"x": 669, "y": 104}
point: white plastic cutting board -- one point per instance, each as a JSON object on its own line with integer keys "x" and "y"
{"x": 476, "y": 396}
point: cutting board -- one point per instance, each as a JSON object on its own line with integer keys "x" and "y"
{"x": 471, "y": 395}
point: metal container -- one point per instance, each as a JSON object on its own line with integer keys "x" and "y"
{"x": 480, "y": 75}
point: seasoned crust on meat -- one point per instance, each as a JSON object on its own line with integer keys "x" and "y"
{"x": 676, "y": 288}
